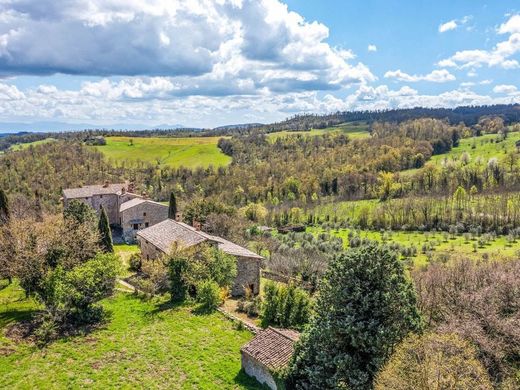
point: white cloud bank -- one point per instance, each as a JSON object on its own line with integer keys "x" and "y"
{"x": 205, "y": 47}
{"x": 372, "y": 48}
{"x": 453, "y": 24}
{"x": 436, "y": 76}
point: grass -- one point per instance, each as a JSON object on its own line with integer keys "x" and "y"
{"x": 125, "y": 251}
{"x": 453, "y": 244}
{"x": 145, "y": 344}
{"x": 479, "y": 149}
{"x": 190, "y": 152}
{"x": 354, "y": 130}
{"x": 17, "y": 147}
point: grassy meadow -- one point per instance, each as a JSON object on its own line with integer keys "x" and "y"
{"x": 190, "y": 152}
{"x": 17, "y": 147}
{"x": 354, "y": 130}
{"x": 148, "y": 342}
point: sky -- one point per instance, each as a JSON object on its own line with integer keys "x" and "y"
{"x": 204, "y": 63}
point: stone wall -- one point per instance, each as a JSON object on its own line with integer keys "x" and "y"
{"x": 109, "y": 202}
{"x": 148, "y": 251}
{"x": 257, "y": 370}
{"x": 248, "y": 274}
{"x": 143, "y": 215}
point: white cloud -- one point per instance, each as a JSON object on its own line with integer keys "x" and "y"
{"x": 203, "y": 46}
{"x": 372, "y": 47}
{"x": 499, "y": 56}
{"x": 436, "y": 76}
{"x": 506, "y": 89}
{"x": 451, "y": 25}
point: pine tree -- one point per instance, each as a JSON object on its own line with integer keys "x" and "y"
{"x": 172, "y": 210}
{"x": 105, "y": 233}
{"x": 4, "y": 207}
{"x": 366, "y": 306}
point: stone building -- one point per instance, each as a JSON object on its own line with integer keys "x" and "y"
{"x": 124, "y": 209}
{"x": 268, "y": 353}
{"x": 159, "y": 239}
{"x": 137, "y": 214}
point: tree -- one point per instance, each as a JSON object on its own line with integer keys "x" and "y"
{"x": 433, "y": 361}
{"x": 4, "y": 208}
{"x": 80, "y": 213}
{"x": 105, "y": 235}
{"x": 172, "y": 208}
{"x": 365, "y": 306}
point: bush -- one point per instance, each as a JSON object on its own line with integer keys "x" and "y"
{"x": 433, "y": 361}
{"x": 285, "y": 306}
{"x": 135, "y": 263}
{"x": 208, "y": 295}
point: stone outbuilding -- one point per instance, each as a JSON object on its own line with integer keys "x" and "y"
{"x": 268, "y": 353}
{"x": 159, "y": 239}
{"x": 137, "y": 214}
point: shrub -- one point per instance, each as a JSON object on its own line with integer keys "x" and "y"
{"x": 135, "y": 262}
{"x": 208, "y": 295}
{"x": 433, "y": 361}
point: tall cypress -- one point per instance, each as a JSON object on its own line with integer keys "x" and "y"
{"x": 4, "y": 207}
{"x": 172, "y": 209}
{"x": 105, "y": 233}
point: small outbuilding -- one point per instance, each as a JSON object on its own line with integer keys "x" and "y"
{"x": 268, "y": 353}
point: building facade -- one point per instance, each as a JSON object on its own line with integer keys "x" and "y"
{"x": 137, "y": 214}
{"x": 159, "y": 240}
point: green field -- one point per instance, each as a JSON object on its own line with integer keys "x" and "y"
{"x": 354, "y": 130}
{"x": 190, "y": 152}
{"x": 441, "y": 242}
{"x": 479, "y": 150}
{"x": 29, "y": 144}
{"x": 145, "y": 344}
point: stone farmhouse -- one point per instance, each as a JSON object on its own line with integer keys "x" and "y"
{"x": 159, "y": 239}
{"x": 270, "y": 351}
{"x": 126, "y": 210}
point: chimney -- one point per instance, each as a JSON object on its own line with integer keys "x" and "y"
{"x": 131, "y": 187}
{"x": 178, "y": 216}
{"x": 196, "y": 225}
{"x": 123, "y": 190}
{"x": 106, "y": 184}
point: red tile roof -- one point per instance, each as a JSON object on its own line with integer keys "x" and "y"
{"x": 272, "y": 347}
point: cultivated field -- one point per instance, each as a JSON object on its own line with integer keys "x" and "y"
{"x": 190, "y": 152}
{"x": 148, "y": 342}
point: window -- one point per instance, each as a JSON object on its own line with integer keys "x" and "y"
{"x": 100, "y": 196}
{"x": 136, "y": 226}
{"x": 146, "y": 224}
{"x": 144, "y": 214}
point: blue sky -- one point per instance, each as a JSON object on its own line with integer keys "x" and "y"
{"x": 212, "y": 62}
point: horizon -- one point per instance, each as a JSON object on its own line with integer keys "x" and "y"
{"x": 134, "y": 64}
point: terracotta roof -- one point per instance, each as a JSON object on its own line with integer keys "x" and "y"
{"x": 137, "y": 201}
{"x": 272, "y": 347}
{"x": 164, "y": 234}
{"x": 97, "y": 189}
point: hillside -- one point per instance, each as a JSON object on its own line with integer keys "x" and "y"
{"x": 190, "y": 152}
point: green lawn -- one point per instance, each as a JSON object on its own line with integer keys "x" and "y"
{"x": 189, "y": 152}
{"x": 125, "y": 251}
{"x": 143, "y": 345}
{"x": 354, "y": 130}
{"x": 442, "y": 243}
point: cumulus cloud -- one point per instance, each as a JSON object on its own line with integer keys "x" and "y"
{"x": 203, "y": 47}
{"x": 506, "y": 89}
{"x": 436, "y": 76}
{"x": 499, "y": 56}
{"x": 451, "y": 25}
{"x": 372, "y": 47}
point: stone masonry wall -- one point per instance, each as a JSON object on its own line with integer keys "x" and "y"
{"x": 248, "y": 273}
{"x": 144, "y": 215}
{"x": 256, "y": 370}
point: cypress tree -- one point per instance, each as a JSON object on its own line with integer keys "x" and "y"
{"x": 105, "y": 233}
{"x": 172, "y": 210}
{"x": 4, "y": 207}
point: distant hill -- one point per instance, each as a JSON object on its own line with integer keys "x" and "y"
{"x": 45, "y": 127}
{"x": 239, "y": 126}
